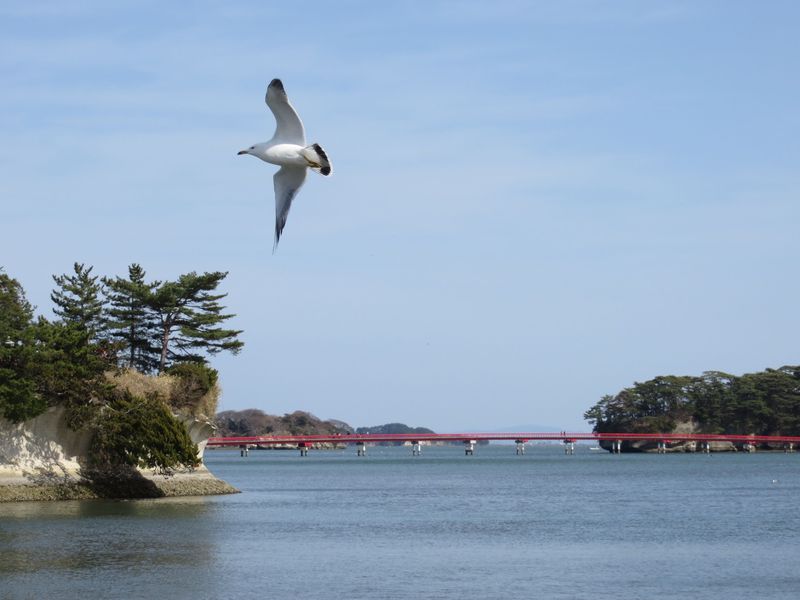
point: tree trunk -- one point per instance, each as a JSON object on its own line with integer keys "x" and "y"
{"x": 133, "y": 345}
{"x": 164, "y": 345}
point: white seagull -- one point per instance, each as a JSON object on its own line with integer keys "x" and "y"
{"x": 288, "y": 149}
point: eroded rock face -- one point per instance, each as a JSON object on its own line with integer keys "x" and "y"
{"x": 199, "y": 432}
{"x": 43, "y": 459}
{"x": 43, "y": 446}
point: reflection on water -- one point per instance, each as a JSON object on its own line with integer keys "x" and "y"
{"x": 177, "y": 507}
{"x": 84, "y": 541}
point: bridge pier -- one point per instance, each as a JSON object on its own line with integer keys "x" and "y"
{"x": 469, "y": 447}
{"x": 612, "y": 442}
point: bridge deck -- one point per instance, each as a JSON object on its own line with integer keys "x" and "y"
{"x": 478, "y": 437}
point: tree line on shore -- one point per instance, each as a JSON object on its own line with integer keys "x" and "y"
{"x": 255, "y": 422}
{"x": 762, "y": 403}
{"x": 103, "y": 325}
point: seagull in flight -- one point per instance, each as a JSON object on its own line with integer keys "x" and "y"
{"x": 287, "y": 149}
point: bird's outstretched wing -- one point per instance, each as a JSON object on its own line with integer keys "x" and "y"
{"x": 289, "y": 129}
{"x": 288, "y": 180}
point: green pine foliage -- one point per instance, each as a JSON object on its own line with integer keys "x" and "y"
{"x": 69, "y": 369}
{"x": 763, "y": 403}
{"x": 188, "y": 315}
{"x": 162, "y": 323}
{"x": 141, "y": 432}
{"x": 78, "y": 300}
{"x": 19, "y": 399}
{"x": 42, "y": 363}
{"x": 129, "y": 321}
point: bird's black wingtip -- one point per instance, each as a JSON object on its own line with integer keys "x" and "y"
{"x": 278, "y": 231}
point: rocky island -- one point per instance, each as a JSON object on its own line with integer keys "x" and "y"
{"x": 762, "y": 403}
{"x": 113, "y": 398}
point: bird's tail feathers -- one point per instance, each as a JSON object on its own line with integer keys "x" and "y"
{"x": 317, "y": 159}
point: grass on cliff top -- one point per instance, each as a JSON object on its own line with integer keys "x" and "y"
{"x": 191, "y": 390}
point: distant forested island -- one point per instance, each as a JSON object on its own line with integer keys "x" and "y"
{"x": 762, "y": 403}
{"x": 390, "y": 428}
{"x": 255, "y": 422}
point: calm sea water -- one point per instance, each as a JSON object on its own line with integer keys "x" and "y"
{"x": 443, "y": 525}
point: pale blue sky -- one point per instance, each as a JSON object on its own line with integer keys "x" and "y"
{"x": 533, "y": 204}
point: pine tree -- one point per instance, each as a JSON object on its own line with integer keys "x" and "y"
{"x": 188, "y": 314}
{"x": 130, "y": 321}
{"x": 44, "y": 363}
{"x": 78, "y": 300}
{"x": 19, "y": 399}
{"x": 16, "y": 312}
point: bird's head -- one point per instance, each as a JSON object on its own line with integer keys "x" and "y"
{"x": 251, "y": 150}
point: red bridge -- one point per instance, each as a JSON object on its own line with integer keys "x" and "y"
{"x": 303, "y": 442}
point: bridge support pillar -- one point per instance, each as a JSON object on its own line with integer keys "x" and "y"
{"x": 520, "y": 447}
{"x": 469, "y": 447}
{"x": 707, "y": 447}
{"x": 416, "y": 449}
{"x": 569, "y": 447}
{"x": 788, "y": 447}
{"x": 361, "y": 449}
{"x": 244, "y": 451}
{"x": 662, "y": 447}
{"x": 303, "y": 449}
{"x": 616, "y": 447}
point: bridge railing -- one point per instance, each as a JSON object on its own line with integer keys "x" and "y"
{"x": 563, "y": 436}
